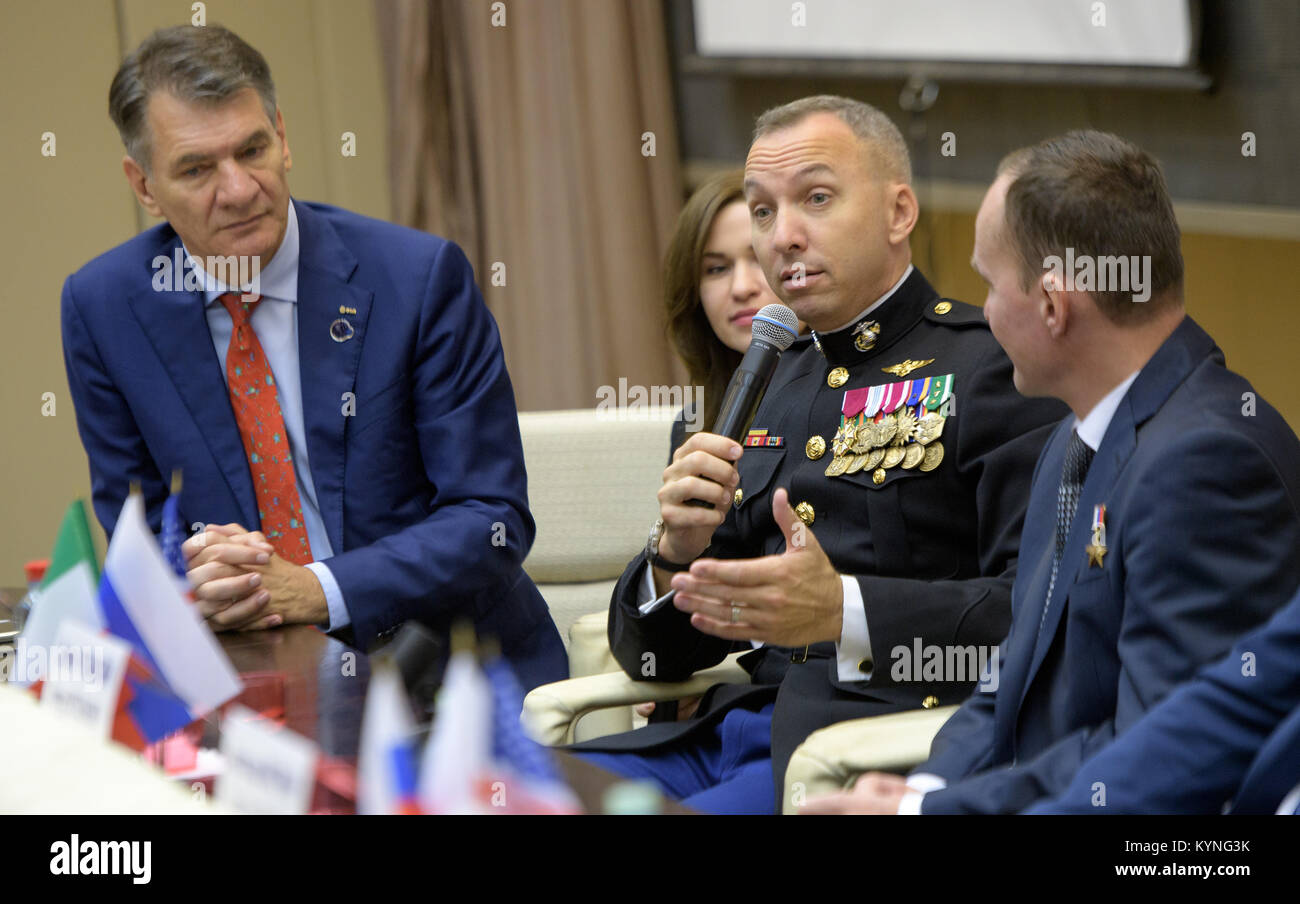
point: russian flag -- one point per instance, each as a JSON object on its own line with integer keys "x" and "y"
{"x": 386, "y": 781}
{"x": 179, "y": 671}
{"x": 456, "y": 767}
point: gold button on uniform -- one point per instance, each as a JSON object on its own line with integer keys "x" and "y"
{"x": 878, "y": 476}
{"x": 930, "y": 702}
{"x": 865, "y": 666}
{"x": 837, "y": 377}
{"x": 739, "y": 495}
{"x": 943, "y": 307}
{"x": 805, "y": 513}
{"x": 815, "y": 447}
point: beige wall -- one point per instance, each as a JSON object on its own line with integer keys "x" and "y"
{"x": 57, "y": 60}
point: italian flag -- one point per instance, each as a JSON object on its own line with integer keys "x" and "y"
{"x": 70, "y": 588}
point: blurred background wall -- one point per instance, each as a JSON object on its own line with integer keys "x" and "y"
{"x": 525, "y": 144}
{"x": 1240, "y": 215}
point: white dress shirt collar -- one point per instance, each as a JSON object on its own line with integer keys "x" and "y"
{"x": 1093, "y": 426}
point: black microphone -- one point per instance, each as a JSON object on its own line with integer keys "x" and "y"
{"x": 772, "y": 331}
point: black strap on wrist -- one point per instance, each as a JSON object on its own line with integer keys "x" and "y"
{"x": 659, "y": 561}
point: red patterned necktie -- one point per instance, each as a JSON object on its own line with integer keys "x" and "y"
{"x": 256, "y": 404}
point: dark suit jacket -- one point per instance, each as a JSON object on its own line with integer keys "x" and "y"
{"x": 934, "y": 553}
{"x": 1232, "y": 734}
{"x": 410, "y": 489}
{"x": 1202, "y": 528}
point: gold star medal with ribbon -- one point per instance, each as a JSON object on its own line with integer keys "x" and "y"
{"x": 1097, "y": 548}
{"x": 851, "y": 420}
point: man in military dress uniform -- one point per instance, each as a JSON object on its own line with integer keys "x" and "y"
{"x": 876, "y": 505}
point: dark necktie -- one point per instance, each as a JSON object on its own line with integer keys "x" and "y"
{"x": 1077, "y": 459}
{"x": 256, "y": 403}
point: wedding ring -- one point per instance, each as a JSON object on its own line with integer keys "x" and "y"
{"x": 735, "y": 613}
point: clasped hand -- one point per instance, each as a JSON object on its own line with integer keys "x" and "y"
{"x": 241, "y": 584}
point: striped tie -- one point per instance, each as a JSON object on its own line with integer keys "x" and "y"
{"x": 256, "y": 404}
{"x": 1078, "y": 457}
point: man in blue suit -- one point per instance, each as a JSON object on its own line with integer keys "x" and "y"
{"x": 1229, "y": 738}
{"x": 381, "y": 479}
{"x": 1163, "y": 517}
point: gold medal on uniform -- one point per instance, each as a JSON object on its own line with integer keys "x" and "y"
{"x": 847, "y": 436}
{"x": 895, "y": 395}
{"x": 933, "y": 455}
{"x": 840, "y": 446}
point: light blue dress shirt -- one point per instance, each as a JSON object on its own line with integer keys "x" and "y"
{"x": 276, "y": 325}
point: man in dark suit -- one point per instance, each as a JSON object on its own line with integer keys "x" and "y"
{"x": 846, "y": 533}
{"x": 1230, "y": 738}
{"x": 1164, "y": 520}
{"x": 343, "y": 420}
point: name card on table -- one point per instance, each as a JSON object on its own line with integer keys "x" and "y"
{"x": 267, "y": 769}
{"x": 82, "y": 673}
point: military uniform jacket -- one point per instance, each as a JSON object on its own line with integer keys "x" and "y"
{"x": 933, "y": 550}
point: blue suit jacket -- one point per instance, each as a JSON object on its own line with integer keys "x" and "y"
{"x": 422, "y": 489}
{"x": 1202, "y": 521}
{"x": 1233, "y": 733}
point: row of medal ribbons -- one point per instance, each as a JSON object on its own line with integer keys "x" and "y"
{"x": 891, "y": 425}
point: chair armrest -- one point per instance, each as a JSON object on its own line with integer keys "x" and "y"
{"x": 589, "y": 646}
{"x": 550, "y": 711}
{"x": 833, "y": 757}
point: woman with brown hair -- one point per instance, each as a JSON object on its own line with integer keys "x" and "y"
{"x": 713, "y": 287}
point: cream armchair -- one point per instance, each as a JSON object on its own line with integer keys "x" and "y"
{"x": 592, "y": 480}
{"x": 833, "y": 758}
{"x": 592, "y": 483}
{"x": 551, "y": 712}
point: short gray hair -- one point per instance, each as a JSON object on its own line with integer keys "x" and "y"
{"x": 872, "y": 127}
{"x": 208, "y": 63}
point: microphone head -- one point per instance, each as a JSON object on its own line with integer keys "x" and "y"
{"x": 775, "y": 324}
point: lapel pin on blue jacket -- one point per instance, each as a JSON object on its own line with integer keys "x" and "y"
{"x": 341, "y": 330}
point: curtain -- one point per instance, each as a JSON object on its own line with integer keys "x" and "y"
{"x": 525, "y": 141}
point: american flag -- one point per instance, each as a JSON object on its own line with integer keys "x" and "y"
{"x": 529, "y": 779}
{"x": 173, "y": 535}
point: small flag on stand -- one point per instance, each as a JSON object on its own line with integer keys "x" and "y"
{"x": 173, "y": 535}
{"x": 524, "y": 769}
{"x": 457, "y": 757}
{"x": 478, "y": 758}
{"x": 68, "y": 591}
{"x": 386, "y": 763}
{"x": 179, "y": 671}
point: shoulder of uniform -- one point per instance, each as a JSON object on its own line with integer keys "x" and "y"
{"x": 951, "y": 312}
